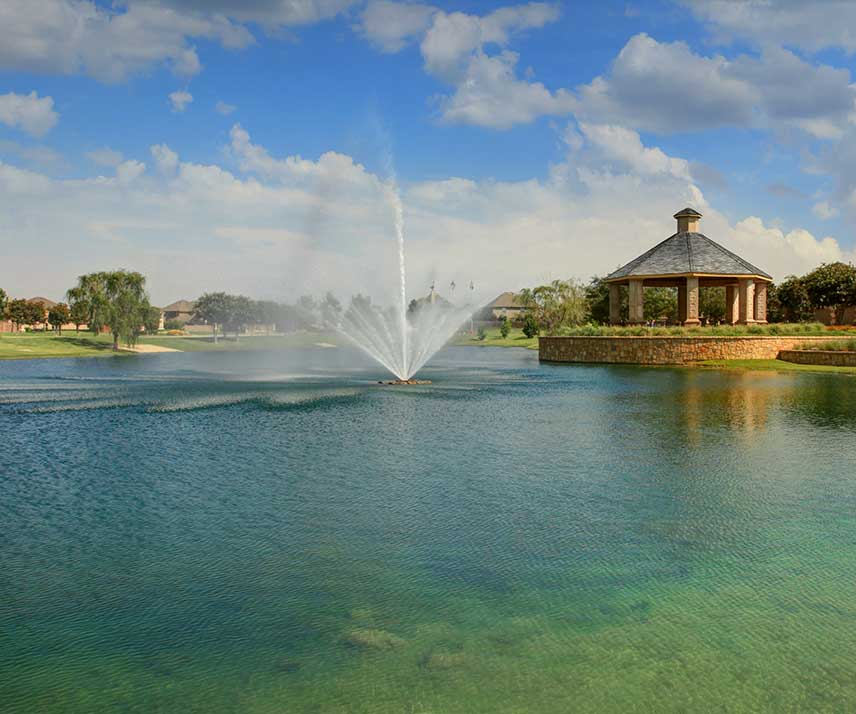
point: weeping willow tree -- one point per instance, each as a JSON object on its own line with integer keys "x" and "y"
{"x": 114, "y": 299}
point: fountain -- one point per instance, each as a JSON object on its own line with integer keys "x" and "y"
{"x": 401, "y": 342}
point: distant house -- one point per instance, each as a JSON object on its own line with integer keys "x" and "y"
{"x": 45, "y": 304}
{"x": 505, "y": 305}
{"x": 181, "y": 311}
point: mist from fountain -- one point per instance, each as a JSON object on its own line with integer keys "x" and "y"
{"x": 401, "y": 342}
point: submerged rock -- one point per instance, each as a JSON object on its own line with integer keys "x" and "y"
{"x": 372, "y": 639}
{"x": 286, "y": 664}
{"x": 442, "y": 659}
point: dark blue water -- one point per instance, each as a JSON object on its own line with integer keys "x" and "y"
{"x": 274, "y": 532}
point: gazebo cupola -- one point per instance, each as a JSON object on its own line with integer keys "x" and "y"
{"x": 690, "y": 261}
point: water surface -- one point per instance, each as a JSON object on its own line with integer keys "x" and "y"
{"x": 273, "y": 532}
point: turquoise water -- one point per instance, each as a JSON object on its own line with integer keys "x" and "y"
{"x": 260, "y": 533}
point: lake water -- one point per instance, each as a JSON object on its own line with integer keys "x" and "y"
{"x": 263, "y": 532}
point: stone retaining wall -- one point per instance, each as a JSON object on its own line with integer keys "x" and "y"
{"x": 667, "y": 350}
{"x": 831, "y": 358}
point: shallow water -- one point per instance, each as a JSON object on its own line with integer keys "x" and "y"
{"x": 255, "y": 532}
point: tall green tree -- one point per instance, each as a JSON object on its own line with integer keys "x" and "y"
{"x": 711, "y": 304}
{"x": 4, "y": 300}
{"x": 58, "y": 315}
{"x": 559, "y": 304}
{"x": 214, "y": 308}
{"x": 242, "y": 312}
{"x": 152, "y": 320}
{"x": 597, "y": 301}
{"x": 660, "y": 303}
{"x": 18, "y": 312}
{"x": 790, "y": 300}
{"x": 79, "y": 311}
{"x": 116, "y": 299}
{"x": 832, "y": 285}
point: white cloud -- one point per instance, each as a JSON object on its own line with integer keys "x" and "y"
{"x": 824, "y": 211}
{"x": 165, "y": 158}
{"x": 179, "y": 100}
{"x": 624, "y": 145}
{"x": 391, "y": 25}
{"x": 110, "y": 44}
{"x": 105, "y": 156}
{"x": 272, "y": 14}
{"x": 811, "y": 26}
{"x": 38, "y": 155}
{"x": 666, "y": 87}
{"x": 282, "y": 226}
{"x": 129, "y": 171}
{"x": 224, "y": 109}
{"x": 491, "y": 95}
{"x": 452, "y": 38}
{"x": 29, "y": 112}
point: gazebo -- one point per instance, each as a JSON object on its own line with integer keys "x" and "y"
{"x": 689, "y": 261}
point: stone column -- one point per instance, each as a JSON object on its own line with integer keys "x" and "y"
{"x": 732, "y": 305}
{"x": 761, "y": 302}
{"x": 682, "y": 303}
{"x": 747, "y": 300}
{"x": 614, "y": 303}
{"x": 637, "y": 302}
{"x": 692, "y": 303}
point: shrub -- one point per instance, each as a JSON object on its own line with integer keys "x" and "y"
{"x": 175, "y": 332}
{"x": 481, "y": 335}
{"x": 504, "y": 327}
{"x": 530, "y": 326}
{"x": 173, "y": 325}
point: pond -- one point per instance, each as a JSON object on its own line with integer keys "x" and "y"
{"x": 274, "y": 532}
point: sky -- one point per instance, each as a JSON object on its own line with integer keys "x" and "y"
{"x": 256, "y": 146}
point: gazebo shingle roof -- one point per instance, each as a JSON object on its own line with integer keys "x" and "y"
{"x": 685, "y": 253}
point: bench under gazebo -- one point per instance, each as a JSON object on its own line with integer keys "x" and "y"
{"x": 690, "y": 261}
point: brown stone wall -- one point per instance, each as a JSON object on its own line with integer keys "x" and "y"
{"x": 832, "y": 358}
{"x": 667, "y": 350}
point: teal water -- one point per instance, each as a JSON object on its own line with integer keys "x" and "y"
{"x": 259, "y": 533}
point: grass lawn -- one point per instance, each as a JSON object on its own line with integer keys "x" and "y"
{"x": 515, "y": 338}
{"x": 776, "y": 365}
{"x": 29, "y": 345}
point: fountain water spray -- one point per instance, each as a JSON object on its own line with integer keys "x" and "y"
{"x": 400, "y": 342}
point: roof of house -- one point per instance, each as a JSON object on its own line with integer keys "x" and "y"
{"x": 685, "y": 253}
{"x": 505, "y": 300}
{"x": 43, "y": 301}
{"x": 180, "y": 306}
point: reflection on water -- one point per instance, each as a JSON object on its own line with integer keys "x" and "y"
{"x": 276, "y": 533}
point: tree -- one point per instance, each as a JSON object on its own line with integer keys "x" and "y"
{"x": 331, "y": 310}
{"x": 19, "y": 312}
{"x": 268, "y": 313}
{"x": 530, "y": 326}
{"x": 307, "y": 311}
{"x": 832, "y": 285}
{"x": 78, "y": 313}
{"x": 660, "y": 303}
{"x": 788, "y": 301}
{"x": 597, "y": 302}
{"x": 116, "y": 299}
{"x": 556, "y": 305}
{"x": 4, "y": 299}
{"x": 152, "y": 320}
{"x": 504, "y": 326}
{"x": 214, "y": 309}
{"x": 240, "y": 312}
{"x": 58, "y": 315}
{"x": 712, "y": 304}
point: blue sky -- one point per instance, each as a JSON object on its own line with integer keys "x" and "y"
{"x": 247, "y": 145}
